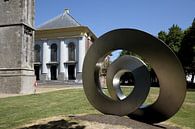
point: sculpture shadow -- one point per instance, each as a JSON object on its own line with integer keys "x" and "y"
{"x": 59, "y": 124}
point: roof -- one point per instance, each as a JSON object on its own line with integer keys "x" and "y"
{"x": 64, "y": 20}
{"x": 64, "y": 32}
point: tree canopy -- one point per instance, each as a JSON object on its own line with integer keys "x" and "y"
{"x": 187, "y": 51}
{"x": 173, "y": 37}
{"x": 183, "y": 44}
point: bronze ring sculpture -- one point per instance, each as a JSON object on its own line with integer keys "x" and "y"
{"x": 164, "y": 62}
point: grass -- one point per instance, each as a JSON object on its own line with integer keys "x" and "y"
{"x": 186, "y": 115}
{"x": 20, "y": 110}
{"x": 15, "y": 111}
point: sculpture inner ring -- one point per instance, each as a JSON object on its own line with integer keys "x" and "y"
{"x": 141, "y": 78}
{"x": 164, "y": 62}
{"x": 108, "y": 105}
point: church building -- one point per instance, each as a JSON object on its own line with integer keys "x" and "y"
{"x": 60, "y": 47}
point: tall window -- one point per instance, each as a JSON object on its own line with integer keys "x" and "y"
{"x": 71, "y": 52}
{"x": 37, "y": 49}
{"x": 53, "y": 52}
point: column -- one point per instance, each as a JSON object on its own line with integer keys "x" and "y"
{"x": 66, "y": 60}
{"x": 81, "y": 53}
{"x": 62, "y": 56}
{"x": 66, "y": 52}
{"x": 81, "y": 47}
{"x": 62, "y": 60}
{"x": 44, "y": 61}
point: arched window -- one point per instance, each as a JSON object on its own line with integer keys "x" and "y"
{"x": 37, "y": 50}
{"x": 71, "y": 52}
{"x": 53, "y": 53}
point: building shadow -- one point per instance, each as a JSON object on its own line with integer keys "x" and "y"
{"x": 59, "y": 124}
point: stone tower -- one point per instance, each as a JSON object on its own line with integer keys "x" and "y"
{"x": 16, "y": 46}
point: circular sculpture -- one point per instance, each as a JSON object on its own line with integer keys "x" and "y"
{"x": 164, "y": 62}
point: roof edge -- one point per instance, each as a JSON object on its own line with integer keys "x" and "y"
{"x": 77, "y": 28}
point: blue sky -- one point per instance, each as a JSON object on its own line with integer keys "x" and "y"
{"x": 104, "y": 15}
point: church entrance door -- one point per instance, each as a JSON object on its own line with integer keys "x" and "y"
{"x": 53, "y": 72}
{"x": 37, "y": 72}
{"x": 71, "y": 72}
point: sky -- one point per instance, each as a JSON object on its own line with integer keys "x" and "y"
{"x": 102, "y": 16}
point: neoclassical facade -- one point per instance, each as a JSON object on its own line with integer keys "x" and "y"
{"x": 60, "y": 48}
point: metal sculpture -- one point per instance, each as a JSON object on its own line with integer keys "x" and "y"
{"x": 164, "y": 62}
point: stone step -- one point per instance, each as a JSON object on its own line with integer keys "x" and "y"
{"x": 57, "y": 82}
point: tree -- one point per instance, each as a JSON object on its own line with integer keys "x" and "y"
{"x": 124, "y": 52}
{"x": 162, "y": 35}
{"x": 173, "y": 37}
{"x": 187, "y": 52}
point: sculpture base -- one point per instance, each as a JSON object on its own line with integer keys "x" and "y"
{"x": 122, "y": 121}
{"x": 97, "y": 121}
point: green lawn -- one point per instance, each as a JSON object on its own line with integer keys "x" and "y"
{"x": 15, "y": 111}
{"x": 20, "y": 110}
{"x": 186, "y": 116}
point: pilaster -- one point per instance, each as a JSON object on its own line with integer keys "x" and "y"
{"x": 62, "y": 60}
{"x": 81, "y": 53}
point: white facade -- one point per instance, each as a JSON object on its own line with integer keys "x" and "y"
{"x": 60, "y": 47}
{"x": 67, "y": 66}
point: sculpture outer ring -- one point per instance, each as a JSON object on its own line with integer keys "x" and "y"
{"x": 164, "y": 62}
